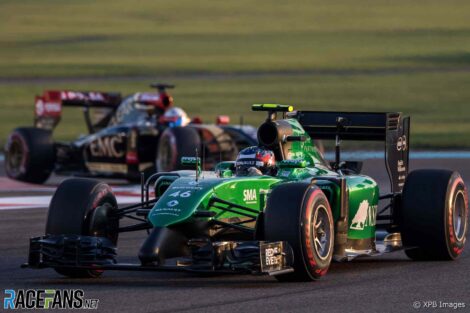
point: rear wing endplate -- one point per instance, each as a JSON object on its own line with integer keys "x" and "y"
{"x": 392, "y": 128}
{"x": 48, "y": 106}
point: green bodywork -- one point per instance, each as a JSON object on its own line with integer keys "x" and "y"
{"x": 185, "y": 195}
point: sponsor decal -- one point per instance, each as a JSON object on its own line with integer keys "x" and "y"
{"x": 106, "y": 167}
{"x": 294, "y": 162}
{"x": 166, "y": 211}
{"x": 107, "y": 147}
{"x": 74, "y": 95}
{"x": 365, "y": 216}
{"x": 190, "y": 160}
{"x": 67, "y": 299}
{"x": 47, "y": 108}
{"x": 247, "y": 156}
{"x": 401, "y": 166}
{"x": 172, "y": 203}
{"x": 295, "y": 155}
{"x": 249, "y": 196}
{"x": 149, "y": 97}
{"x": 251, "y": 162}
{"x": 272, "y": 256}
{"x": 401, "y": 169}
{"x": 402, "y": 144}
{"x": 186, "y": 187}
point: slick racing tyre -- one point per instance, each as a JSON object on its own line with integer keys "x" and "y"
{"x": 300, "y": 214}
{"x": 83, "y": 207}
{"x": 434, "y": 215}
{"x": 175, "y": 143}
{"x": 29, "y": 155}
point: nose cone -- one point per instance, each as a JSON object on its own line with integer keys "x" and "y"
{"x": 163, "y": 243}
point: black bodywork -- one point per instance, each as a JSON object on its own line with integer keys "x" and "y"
{"x": 124, "y": 133}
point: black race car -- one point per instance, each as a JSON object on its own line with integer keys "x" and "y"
{"x": 127, "y": 136}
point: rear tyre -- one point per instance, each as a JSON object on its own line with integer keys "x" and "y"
{"x": 435, "y": 215}
{"x": 83, "y": 207}
{"x": 175, "y": 143}
{"x": 30, "y": 155}
{"x": 300, "y": 214}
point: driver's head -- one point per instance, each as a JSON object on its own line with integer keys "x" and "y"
{"x": 255, "y": 160}
{"x": 176, "y": 117}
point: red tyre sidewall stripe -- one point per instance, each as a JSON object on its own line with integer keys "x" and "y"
{"x": 307, "y": 219}
{"x": 307, "y": 233}
{"x": 25, "y": 159}
{"x": 101, "y": 194}
{"x": 456, "y": 246}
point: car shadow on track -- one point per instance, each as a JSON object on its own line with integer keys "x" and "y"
{"x": 189, "y": 280}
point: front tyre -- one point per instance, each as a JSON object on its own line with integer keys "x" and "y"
{"x": 300, "y": 214}
{"x": 83, "y": 207}
{"x": 435, "y": 215}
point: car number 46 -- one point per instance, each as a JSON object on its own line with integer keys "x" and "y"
{"x": 184, "y": 194}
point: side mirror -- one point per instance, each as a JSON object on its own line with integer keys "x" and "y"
{"x": 192, "y": 162}
{"x": 225, "y": 169}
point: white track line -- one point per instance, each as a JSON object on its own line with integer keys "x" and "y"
{"x": 423, "y": 155}
{"x": 19, "y": 203}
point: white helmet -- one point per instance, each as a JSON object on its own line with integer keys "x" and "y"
{"x": 176, "y": 117}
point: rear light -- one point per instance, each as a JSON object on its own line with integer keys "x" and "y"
{"x": 132, "y": 156}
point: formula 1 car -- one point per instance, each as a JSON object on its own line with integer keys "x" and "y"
{"x": 126, "y": 136}
{"x": 290, "y": 225}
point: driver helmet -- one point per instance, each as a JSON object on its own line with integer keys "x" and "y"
{"x": 253, "y": 161}
{"x": 176, "y": 117}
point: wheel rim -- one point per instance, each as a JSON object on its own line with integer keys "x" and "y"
{"x": 321, "y": 232}
{"x": 459, "y": 216}
{"x": 15, "y": 158}
{"x": 166, "y": 154}
{"x": 101, "y": 222}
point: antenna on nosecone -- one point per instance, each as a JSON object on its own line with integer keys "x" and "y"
{"x": 197, "y": 166}
{"x": 203, "y": 159}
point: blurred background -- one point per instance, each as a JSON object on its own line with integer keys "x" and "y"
{"x": 409, "y": 56}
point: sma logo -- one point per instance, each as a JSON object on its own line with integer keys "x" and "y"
{"x": 249, "y": 195}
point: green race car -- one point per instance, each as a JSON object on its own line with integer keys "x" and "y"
{"x": 279, "y": 209}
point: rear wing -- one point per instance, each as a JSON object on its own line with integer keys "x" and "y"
{"x": 391, "y": 128}
{"x": 48, "y": 106}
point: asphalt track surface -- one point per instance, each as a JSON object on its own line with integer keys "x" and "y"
{"x": 389, "y": 283}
